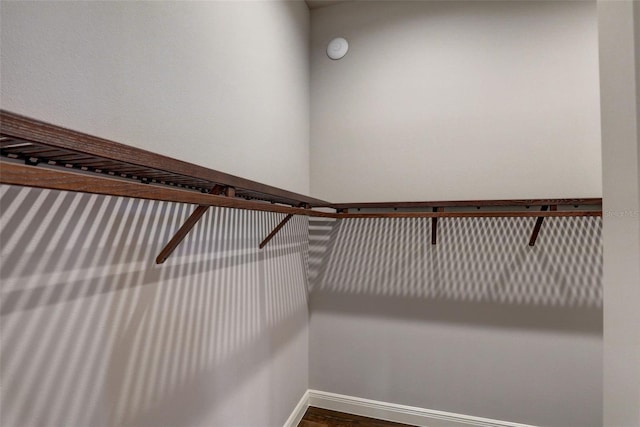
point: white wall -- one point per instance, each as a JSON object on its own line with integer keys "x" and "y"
{"x": 459, "y": 100}
{"x": 619, "y": 28}
{"x": 455, "y": 100}
{"x": 219, "y": 84}
{"x": 480, "y": 324}
{"x": 93, "y": 332}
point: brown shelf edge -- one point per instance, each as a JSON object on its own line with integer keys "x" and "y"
{"x": 594, "y": 201}
{"x": 54, "y": 179}
{"x": 485, "y": 214}
{"x": 22, "y": 127}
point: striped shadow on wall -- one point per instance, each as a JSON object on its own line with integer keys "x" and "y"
{"x": 475, "y": 260}
{"x": 94, "y": 333}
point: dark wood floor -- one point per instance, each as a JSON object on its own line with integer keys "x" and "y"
{"x": 316, "y": 417}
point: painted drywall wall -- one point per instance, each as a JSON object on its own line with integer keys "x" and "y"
{"x": 93, "y": 333}
{"x": 458, "y": 100}
{"x": 455, "y": 100}
{"x": 480, "y": 324}
{"x": 619, "y": 33}
{"x": 221, "y": 84}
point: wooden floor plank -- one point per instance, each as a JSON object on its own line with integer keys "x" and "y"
{"x": 307, "y": 423}
{"x": 317, "y": 417}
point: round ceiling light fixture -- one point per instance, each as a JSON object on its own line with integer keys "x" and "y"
{"x": 337, "y": 48}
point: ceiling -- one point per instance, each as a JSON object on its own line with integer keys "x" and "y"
{"x": 316, "y": 4}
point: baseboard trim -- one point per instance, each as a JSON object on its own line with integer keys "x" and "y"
{"x": 394, "y": 412}
{"x": 298, "y": 412}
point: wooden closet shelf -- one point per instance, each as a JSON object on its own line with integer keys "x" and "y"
{"x": 74, "y": 161}
{"x": 36, "y": 142}
{"x": 470, "y": 203}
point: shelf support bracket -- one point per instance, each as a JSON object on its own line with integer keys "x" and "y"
{"x": 189, "y": 224}
{"x": 538, "y": 226}
{"x": 434, "y": 226}
{"x": 275, "y": 231}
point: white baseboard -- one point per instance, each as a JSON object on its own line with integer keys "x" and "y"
{"x": 393, "y": 412}
{"x": 298, "y": 412}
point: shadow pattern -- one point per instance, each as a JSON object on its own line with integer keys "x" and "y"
{"x": 474, "y": 260}
{"x": 94, "y": 333}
